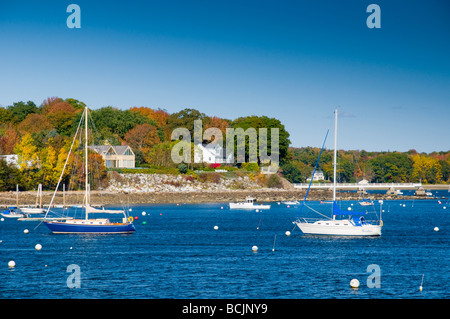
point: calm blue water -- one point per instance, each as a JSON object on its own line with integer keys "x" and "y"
{"x": 178, "y": 254}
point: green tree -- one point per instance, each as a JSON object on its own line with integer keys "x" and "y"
{"x": 185, "y": 119}
{"x": 292, "y": 173}
{"x": 391, "y": 168}
{"x": 117, "y": 122}
{"x": 258, "y": 122}
{"x": 20, "y": 110}
{"x": 8, "y": 176}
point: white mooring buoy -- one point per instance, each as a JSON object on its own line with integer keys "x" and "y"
{"x": 25, "y": 231}
{"x": 287, "y": 233}
{"x": 436, "y": 228}
{"x": 38, "y": 247}
{"x": 216, "y": 227}
{"x": 11, "y": 264}
{"x": 354, "y": 283}
{"x": 255, "y": 248}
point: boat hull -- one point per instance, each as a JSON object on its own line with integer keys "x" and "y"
{"x": 83, "y": 228}
{"x": 338, "y": 228}
{"x": 28, "y": 210}
{"x": 248, "y": 206}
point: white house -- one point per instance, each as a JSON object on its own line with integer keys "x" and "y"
{"x": 11, "y": 159}
{"x": 116, "y": 156}
{"x": 318, "y": 176}
{"x": 211, "y": 153}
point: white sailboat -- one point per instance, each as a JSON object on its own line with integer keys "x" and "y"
{"x": 354, "y": 225}
{"x": 38, "y": 209}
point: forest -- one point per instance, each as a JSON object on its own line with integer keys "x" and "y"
{"x": 41, "y": 136}
{"x": 376, "y": 167}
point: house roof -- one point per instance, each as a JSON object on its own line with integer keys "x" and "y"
{"x": 118, "y": 149}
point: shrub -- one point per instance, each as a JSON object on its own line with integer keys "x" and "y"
{"x": 182, "y": 168}
{"x": 273, "y": 181}
{"x": 252, "y": 167}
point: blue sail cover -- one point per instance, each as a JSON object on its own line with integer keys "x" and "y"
{"x": 338, "y": 211}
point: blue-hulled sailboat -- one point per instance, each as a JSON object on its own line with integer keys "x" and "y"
{"x": 88, "y": 225}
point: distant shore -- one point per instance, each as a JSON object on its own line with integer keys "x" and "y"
{"x": 120, "y": 198}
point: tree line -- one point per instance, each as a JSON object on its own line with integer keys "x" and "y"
{"x": 41, "y": 136}
{"x": 375, "y": 167}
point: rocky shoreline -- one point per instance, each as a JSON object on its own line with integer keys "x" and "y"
{"x": 129, "y": 189}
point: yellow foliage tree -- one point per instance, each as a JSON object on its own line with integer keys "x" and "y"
{"x": 27, "y": 152}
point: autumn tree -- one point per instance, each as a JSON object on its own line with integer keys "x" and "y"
{"x": 141, "y": 139}
{"x": 8, "y": 141}
{"x": 426, "y": 169}
{"x": 61, "y": 116}
{"x": 159, "y": 116}
{"x": 34, "y": 123}
{"x": 28, "y": 161}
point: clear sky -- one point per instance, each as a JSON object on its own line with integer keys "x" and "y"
{"x": 293, "y": 60}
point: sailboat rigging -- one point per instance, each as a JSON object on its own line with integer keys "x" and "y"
{"x": 354, "y": 225}
{"x": 87, "y": 225}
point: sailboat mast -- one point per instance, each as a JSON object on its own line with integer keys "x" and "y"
{"x": 86, "y": 195}
{"x": 335, "y": 155}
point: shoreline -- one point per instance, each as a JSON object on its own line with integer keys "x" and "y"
{"x": 122, "y": 198}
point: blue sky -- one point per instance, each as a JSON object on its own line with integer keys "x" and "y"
{"x": 293, "y": 60}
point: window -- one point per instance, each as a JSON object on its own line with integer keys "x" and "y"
{"x": 128, "y": 152}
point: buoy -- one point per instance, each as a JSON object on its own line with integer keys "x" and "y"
{"x": 144, "y": 223}
{"x": 257, "y": 210}
{"x": 404, "y": 205}
{"x": 70, "y": 247}
{"x": 38, "y": 247}
{"x": 160, "y": 214}
{"x": 2, "y": 219}
{"x": 444, "y": 207}
{"x": 144, "y": 213}
{"x": 11, "y": 264}
{"x": 130, "y": 210}
{"x": 216, "y": 227}
{"x": 135, "y": 217}
{"x": 436, "y": 228}
{"x": 349, "y": 208}
{"x": 288, "y": 206}
{"x": 354, "y": 283}
{"x": 288, "y": 233}
{"x": 25, "y": 231}
{"x": 255, "y": 248}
